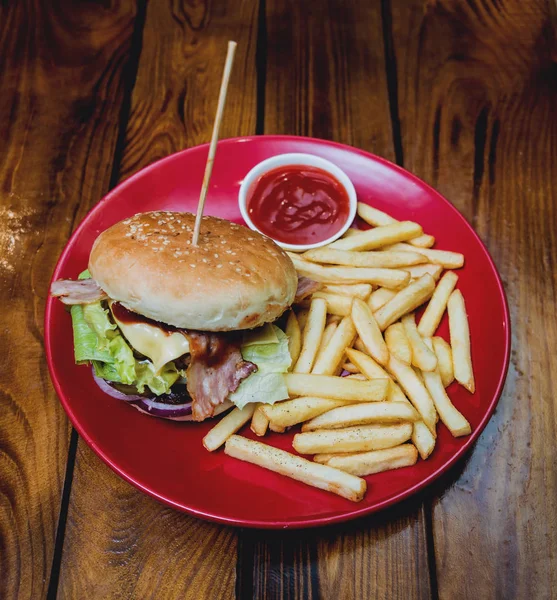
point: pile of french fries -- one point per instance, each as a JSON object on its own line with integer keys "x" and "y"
{"x": 384, "y": 413}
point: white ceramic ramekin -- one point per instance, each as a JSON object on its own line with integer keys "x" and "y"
{"x": 308, "y": 160}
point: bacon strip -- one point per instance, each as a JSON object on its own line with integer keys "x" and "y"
{"x": 306, "y": 287}
{"x": 215, "y": 371}
{"x": 82, "y": 291}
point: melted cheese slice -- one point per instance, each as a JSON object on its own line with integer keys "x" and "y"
{"x": 155, "y": 343}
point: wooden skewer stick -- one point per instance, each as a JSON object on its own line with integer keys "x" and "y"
{"x": 214, "y": 139}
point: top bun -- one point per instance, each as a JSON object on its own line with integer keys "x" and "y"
{"x": 234, "y": 278}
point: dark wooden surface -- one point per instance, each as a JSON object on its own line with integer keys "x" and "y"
{"x": 464, "y": 94}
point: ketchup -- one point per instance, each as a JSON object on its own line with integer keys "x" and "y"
{"x": 124, "y": 315}
{"x": 297, "y": 204}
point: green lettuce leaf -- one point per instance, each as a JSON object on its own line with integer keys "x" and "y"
{"x": 158, "y": 384}
{"x": 271, "y": 357}
{"x": 86, "y": 341}
{"x": 268, "y": 384}
{"x": 98, "y": 340}
{"x": 97, "y": 319}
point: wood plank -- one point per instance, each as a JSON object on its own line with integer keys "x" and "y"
{"x": 61, "y": 96}
{"x": 326, "y": 78}
{"x": 135, "y": 546}
{"x": 383, "y": 556}
{"x": 478, "y": 104}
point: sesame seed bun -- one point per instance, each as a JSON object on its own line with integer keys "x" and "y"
{"x": 234, "y": 278}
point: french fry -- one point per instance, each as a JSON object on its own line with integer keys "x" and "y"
{"x": 276, "y": 428}
{"x": 337, "y": 304}
{"x": 298, "y": 410}
{"x": 369, "y": 331}
{"x": 359, "y": 345}
{"x": 388, "y": 260}
{"x": 421, "y": 436}
{"x": 336, "y": 388}
{"x": 313, "y": 332}
{"x": 325, "y": 457}
{"x": 405, "y": 301}
{"x": 293, "y": 255}
{"x": 445, "y": 258}
{"x": 259, "y": 422}
{"x": 423, "y": 439}
{"x": 348, "y": 366}
{"x": 357, "y": 290}
{"x": 415, "y": 391}
{"x": 422, "y": 356}
{"x": 422, "y": 241}
{"x": 417, "y": 271}
{"x": 444, "y": 360}
{"x": 363, "y": 414}
{"x": 372, "y": 370}
{"x": 332, "y": 319}
{"x": 373, "y": 216}
{"x": 375, "y": 461}
{"x": 302, "y": 316}
{"x": 380, "y": 297}
{"x": 398, "y": 343}
{"x": 332, "y": 355}
{"x": 327, "y": 335}
{"x": 227, "y": 426}
{"x": 294, "y": 335}
{"x": 390, "y": 278}
{"x": 378, "y": 218}
{"x": 436, "y": 306}
{"x": 460, "y": 341}
{"x": 350, "y": 232}
{"x": 454, "y": 420}
{"x": 378, "y": 237}
{"x": 360, "y": 377}
{"x": 320, "y": 476}
{"x": 352, "y": 439}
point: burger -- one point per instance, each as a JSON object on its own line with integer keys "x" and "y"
{"x": 183, "y": 331}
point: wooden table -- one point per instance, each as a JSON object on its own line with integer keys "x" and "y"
{"x": 463, "y": 94}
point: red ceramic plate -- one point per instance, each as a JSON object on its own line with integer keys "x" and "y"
{"x": 166, "y": 459}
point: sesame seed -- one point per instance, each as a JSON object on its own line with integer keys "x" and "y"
{"x": 219, "y": 266}
{"x": 192, "y": 266}
{"x": 216, "y": 255}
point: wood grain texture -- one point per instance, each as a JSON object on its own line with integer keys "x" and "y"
{"x": 175, "y": 95}
{"x": 137, "y": 548}
{"x": 325, "y": 77}
{"x": 383, "y": 556}
{"x": 61, "y": 71}
{"x": 325, "y": 73}
{"x": 477, "y": 85}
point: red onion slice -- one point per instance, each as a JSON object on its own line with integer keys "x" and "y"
{"x": 176, "y": 412}
{"x": 108, "y": 389}
{"x": 159, "y": 409}
{"x": 149, "y": 406}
